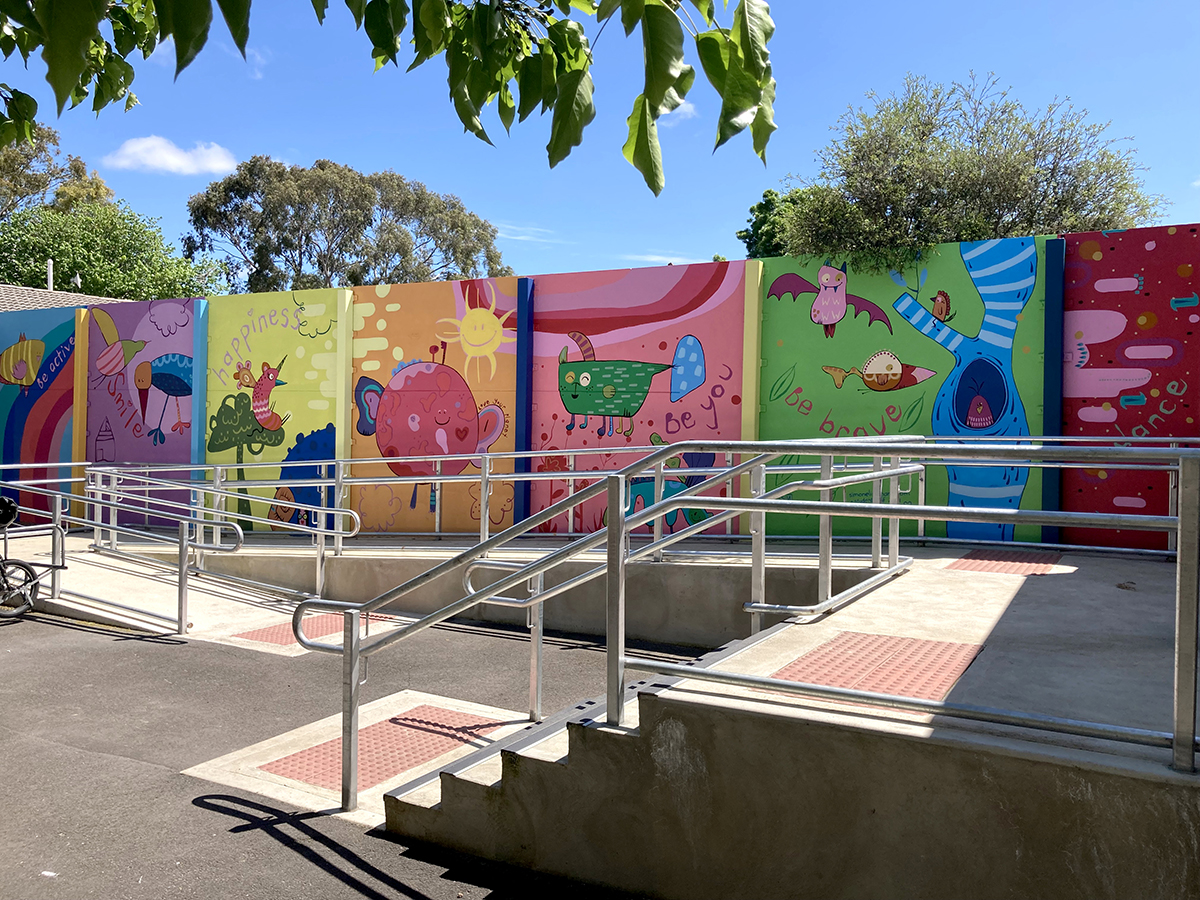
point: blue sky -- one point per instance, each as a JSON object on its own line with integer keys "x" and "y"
{"x": 308, "y": 92}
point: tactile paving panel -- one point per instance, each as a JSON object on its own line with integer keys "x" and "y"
{"x": 1008, "y": 562}
{"x": 386, "y": 748}
{"x": 314, "y": 627}
{"x": 885, "y": 664}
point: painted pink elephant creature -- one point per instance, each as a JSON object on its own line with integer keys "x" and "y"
{"x": 427, "y": 409}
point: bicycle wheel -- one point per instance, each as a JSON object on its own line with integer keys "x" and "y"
{"x": 18, "y": 588}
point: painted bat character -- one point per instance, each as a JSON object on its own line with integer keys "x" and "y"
{"x": 615, "y": 389}
{"x": 829, "y": 306}
{"x": 260, "y": 399}
{"x": 20, "y": 362}
{"x": 882, "y": 371}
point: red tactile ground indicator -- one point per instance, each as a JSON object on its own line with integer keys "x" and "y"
{"x": 1008, "y": 562}
{"x": 314, "y": 627}
{"x": 884, "y": 664}
{"x": 386, "y": 748}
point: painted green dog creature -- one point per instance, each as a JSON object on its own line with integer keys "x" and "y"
{"x": 615, "y": 389}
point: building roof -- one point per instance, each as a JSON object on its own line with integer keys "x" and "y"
{"x": 14, "y": 297}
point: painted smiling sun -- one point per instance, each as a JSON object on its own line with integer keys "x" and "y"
{"x": 480, "y": 334}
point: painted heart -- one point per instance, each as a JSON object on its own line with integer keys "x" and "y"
{"x": 461, "y": 433}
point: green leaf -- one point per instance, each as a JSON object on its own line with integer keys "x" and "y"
{"x": 607, "y": 8}
{"x": 549, "y": 75}
{"x": 912, "y": 415}
{"x": 237, "y": 17}
{"x": 783, "y": 384}
{"x": 631, "y": 14}
{"x": 508, "y": 109}
{"x": 188, "y": 21}
{"x": 705, "y": 8}
{"x": 740, "y": 97}
{"x": 714, "y": 47}
{"x": 662, "y": 43}
{"x": 319, "y": 7}
{"x": 529, "y": 83}
{"x": 21, "y": 106}
{"x": 468, "y": 112}
{"x": 69, "y": 27}
{"x": 573, "y": 111}
{"x": 752, "y": 29}
{"x": 763, "y": 125}
{"x": 358, "y": 8}
{"x": 642, "y": 148}
{"x": 381, "y": 31}
{"x": 21, "y": 13}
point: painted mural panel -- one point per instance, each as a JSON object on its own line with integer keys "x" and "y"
{"x": 952, "y": 346}
{"x": 632, "y": 358}
{"x": 37, "y": 391}
{"x": 275, "y": 376}
{"x": 140, "y": 382}
{"x": 1129, "y": 361}
{"x": 434, "y": 374}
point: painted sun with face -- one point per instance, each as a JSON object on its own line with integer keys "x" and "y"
{"x": 480, "y": 334}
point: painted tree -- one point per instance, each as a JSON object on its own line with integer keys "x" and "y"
{"x": 289, "y": 227}
{"x": 519, "y": 54}
{"x": 234, "y": 427}
{"x": 935, "y": 164}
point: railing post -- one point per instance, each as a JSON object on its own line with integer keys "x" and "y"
{"x": 729, "y": 492}
{"x": 894, "y": 524}
{"x": 1173, "y": 502}
{"x": 351, "y": 658}
{"x": 93, "y": 509}
{"x": 825, "y": 538}
{"x": 570, "y": 492}
{"x": 921, "y": 502}
{"x": 57, "y": 550}
{"x": 758, "y": 547}
{"x": 182, "y": 599}
{"x": 537, "y": 624}
{"x": 658, "y": 520}
{"x": 319, "y": 585}
{"x": 218, "y": 504}
{"x": 615, "y": 618}
{"x": 1187, "y": 584}
{"x": 876, "y": 520}
{"x": 339, "y": 488}
{"x": 437, "y": 497}
{"x": 485, "y": 489}
{"x": 113, "y": 519}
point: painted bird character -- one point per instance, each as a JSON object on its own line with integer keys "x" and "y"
{"x": 172, "y": 375}
{"x": 260, "y": 399}
{"x": 882, "y": 371}
{"x": 20, "y": 362}
{"x": 832, "y": 298}
{"x": 941, "y": 307}
{"x": 117, "y": 353}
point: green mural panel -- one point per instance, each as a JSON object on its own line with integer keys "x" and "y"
{"x": 273, "y": 389}
{"x": 952, "y": 346}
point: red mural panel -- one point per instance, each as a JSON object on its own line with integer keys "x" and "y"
{"x": 1131, "y": 316}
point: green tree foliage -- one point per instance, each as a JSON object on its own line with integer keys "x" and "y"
{"x": 935, "y": 164}
{"x": 115, "y": 252}
{"x": 520, "y": 54}
{"x": 282, "y": 227}
{"x": 32, "y": 173}
{"x": 764, "y": 237}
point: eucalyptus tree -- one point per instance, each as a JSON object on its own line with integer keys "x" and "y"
{"x": 33, "y": 173}
{"x": 523, "y": 55}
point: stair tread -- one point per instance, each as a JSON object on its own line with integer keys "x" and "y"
{"x": 486, "y": 772}
{"x": 553, "y": 749}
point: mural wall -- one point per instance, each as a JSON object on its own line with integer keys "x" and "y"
{"x": 434, "y": 374}
{"x": 37, "y": 391}
{"x": 1129, "y": 362}
{"x": 277, "y": 371}
{"x": 632, "y": 358}
{"x": 953, "y": 346}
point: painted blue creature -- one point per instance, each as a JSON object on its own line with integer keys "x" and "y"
{"x": 317, "y": 447}
{"x": 643, "y": 488}
{"x": 979, "y": 397}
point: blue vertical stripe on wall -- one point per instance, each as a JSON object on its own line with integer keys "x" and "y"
{"x": 1052, "y": 408}
{"x": 522, "y": 439}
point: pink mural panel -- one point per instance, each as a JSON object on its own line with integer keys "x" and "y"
{"x": 1130, "y": 358}
{"x": 631, "y": 358}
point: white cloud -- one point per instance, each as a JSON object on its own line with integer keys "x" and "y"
{"x": 684, "y": 111}
{"x": 157, "y": 154}
{"x": 660, "y": 259}
{"x": 1196, "y": 183}
{"x": 527, "y": 233}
